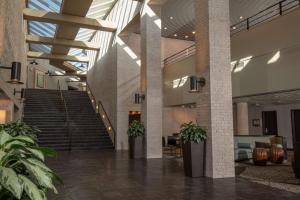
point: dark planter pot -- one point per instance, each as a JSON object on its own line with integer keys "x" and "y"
{"x": 194, "y": 159}
{"x": 136, "y": 147}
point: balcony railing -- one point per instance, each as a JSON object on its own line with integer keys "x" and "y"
{"x": 281, "y": 8}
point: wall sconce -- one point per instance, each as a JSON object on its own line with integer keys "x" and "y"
{"x": 22, "y": 92}
{"x": 15, "y": 75}
{"x": 34, "y": 62}
{"x": 196, "y": 83}
{"x": 138, "y": 98}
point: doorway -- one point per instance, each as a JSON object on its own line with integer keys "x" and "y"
{"x": 296, "y": 140}
{"x": 134, "y": 116}
{"x": 269, "y": 119}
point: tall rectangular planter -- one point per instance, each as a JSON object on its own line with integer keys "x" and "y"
{"x": 136, "y": 147}
{"x": 194, "y": 159}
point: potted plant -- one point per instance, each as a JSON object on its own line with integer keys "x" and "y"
{"x": 193, "y": 139}
{"x": 136, "y": 133}
{"x": 23, "y": 172}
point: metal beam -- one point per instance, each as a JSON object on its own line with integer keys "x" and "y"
{"x": 61, "y": 42}
{"x": 41, "y": 55}
{"x": 56, "y": 18}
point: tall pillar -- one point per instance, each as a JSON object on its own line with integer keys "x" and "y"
{"x": 151, "y": 79}
{"x": 242, "y": 118}
{"x": 214, "y": 103}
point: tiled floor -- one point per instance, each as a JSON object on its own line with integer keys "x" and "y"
{"x": 111, "y": 176}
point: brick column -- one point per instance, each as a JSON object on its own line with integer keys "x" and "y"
{"x": 214, "y": 104}
{"x": 242, "y": 118}
{"x": 151, "y": 79}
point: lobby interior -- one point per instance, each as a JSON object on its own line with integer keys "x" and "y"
{"x": 88, "y": 73}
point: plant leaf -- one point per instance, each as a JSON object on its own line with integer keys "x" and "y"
{"x": 43, "y": 177}
{"x": 4, "y": 137}
{"x": 37, "y": 153}
{"x": 10, "y": 181}
{"x": 31, "y": 189}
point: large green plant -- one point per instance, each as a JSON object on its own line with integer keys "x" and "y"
{"x": 136, "y": 129}
{"x": 20, "y": 128}
{"x": 23, "y": 174}
{"x": 191, "y": 132}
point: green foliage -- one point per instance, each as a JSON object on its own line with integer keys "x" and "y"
{"x": 23, "y": 173}
{"x": 136, "y": 129}
{"x": 19, "y": 128}
{"x": 191, "y": 132}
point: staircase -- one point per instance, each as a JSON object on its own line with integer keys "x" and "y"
{"x": 83, "y": 129}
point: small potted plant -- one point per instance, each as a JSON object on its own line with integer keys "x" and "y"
{"x": 193, "y": 139}
{"x": 136, "y": 132}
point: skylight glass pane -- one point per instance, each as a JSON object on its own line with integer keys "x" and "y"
{"x": 41, "y": 48}
{"x": 42, "y": 29}
{"x": 47, "y": 5}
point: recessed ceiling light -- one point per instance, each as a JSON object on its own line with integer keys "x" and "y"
{"x": 165, "y": 28}
{"x": 186, "y": 36}
{"x": 175, "y": 35}
{"x": 234, "y": 28}
{"x": 241, "y": 17}
{"x": 171, "y": 18}
{"x": 194, "y": 32}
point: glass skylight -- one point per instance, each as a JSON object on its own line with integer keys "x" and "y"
{"x": 40, "y": 28}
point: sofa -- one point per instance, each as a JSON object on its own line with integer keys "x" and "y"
{"x": 244, "y": 145}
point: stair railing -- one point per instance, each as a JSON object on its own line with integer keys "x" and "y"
{"x": 100, "y": 110}
{"x": 67, "y": 118}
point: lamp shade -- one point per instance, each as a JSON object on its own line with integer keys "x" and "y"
{"x": 194, "y": 84}
{"x": 15, "y": 75}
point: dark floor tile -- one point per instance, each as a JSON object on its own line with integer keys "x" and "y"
{"x": 112, "y": 176}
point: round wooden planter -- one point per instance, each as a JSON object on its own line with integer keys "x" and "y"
{"x": 277, "y": 155}
{"x": 260, "y": 156}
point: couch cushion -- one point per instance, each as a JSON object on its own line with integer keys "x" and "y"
{"x": 243, "y": 145}
{"x": 263, "y": 145}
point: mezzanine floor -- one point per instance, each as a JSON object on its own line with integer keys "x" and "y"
{"x": 112, "y": 176}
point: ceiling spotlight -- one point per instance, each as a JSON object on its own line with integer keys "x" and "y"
{"x": 186, "y": 37}
{"x": 194, "y": 32}
{"x": 241, "y": 17}
{"x": 175, "y": 35}
{"x": 165, "y": 28}
{"x": 234, "y": 28}
{"x": 171, "y": 18}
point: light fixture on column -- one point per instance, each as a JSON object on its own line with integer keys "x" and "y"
{"x": 139, "y": 98}
{"x": 15, "y": 75}
{"x": 33, "y": 62}
{"x": 196, "y": 83}
{"x": 21, "y": 92}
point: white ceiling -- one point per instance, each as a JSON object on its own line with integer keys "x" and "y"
{"x": 183, "y": 14}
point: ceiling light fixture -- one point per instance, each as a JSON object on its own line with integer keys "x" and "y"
{"x": 175, "y": 35}
{"x": 194, "y": 32}
{"x": 186, "y": 37}
{"x": 165, "y": 28}
{"x": 234, "y": 28}
{"x": 241, "y": 17}
{"x": 171, "y": 18}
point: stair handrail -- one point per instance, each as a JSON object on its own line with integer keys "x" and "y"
{"x": 103, "y": 114}
{"x": 67, "y": 118}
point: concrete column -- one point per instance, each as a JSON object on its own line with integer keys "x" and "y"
{"x": 242, "y": 118}
{"x": 151, "y": 79}
{"x": 214, "y": 103}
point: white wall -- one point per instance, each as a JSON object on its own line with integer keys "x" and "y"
{"x": 173, "y": 117}
{"x": 262, "y": 43}
{"x": 51, "y": 81}
{"x": 283, "y": 119}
